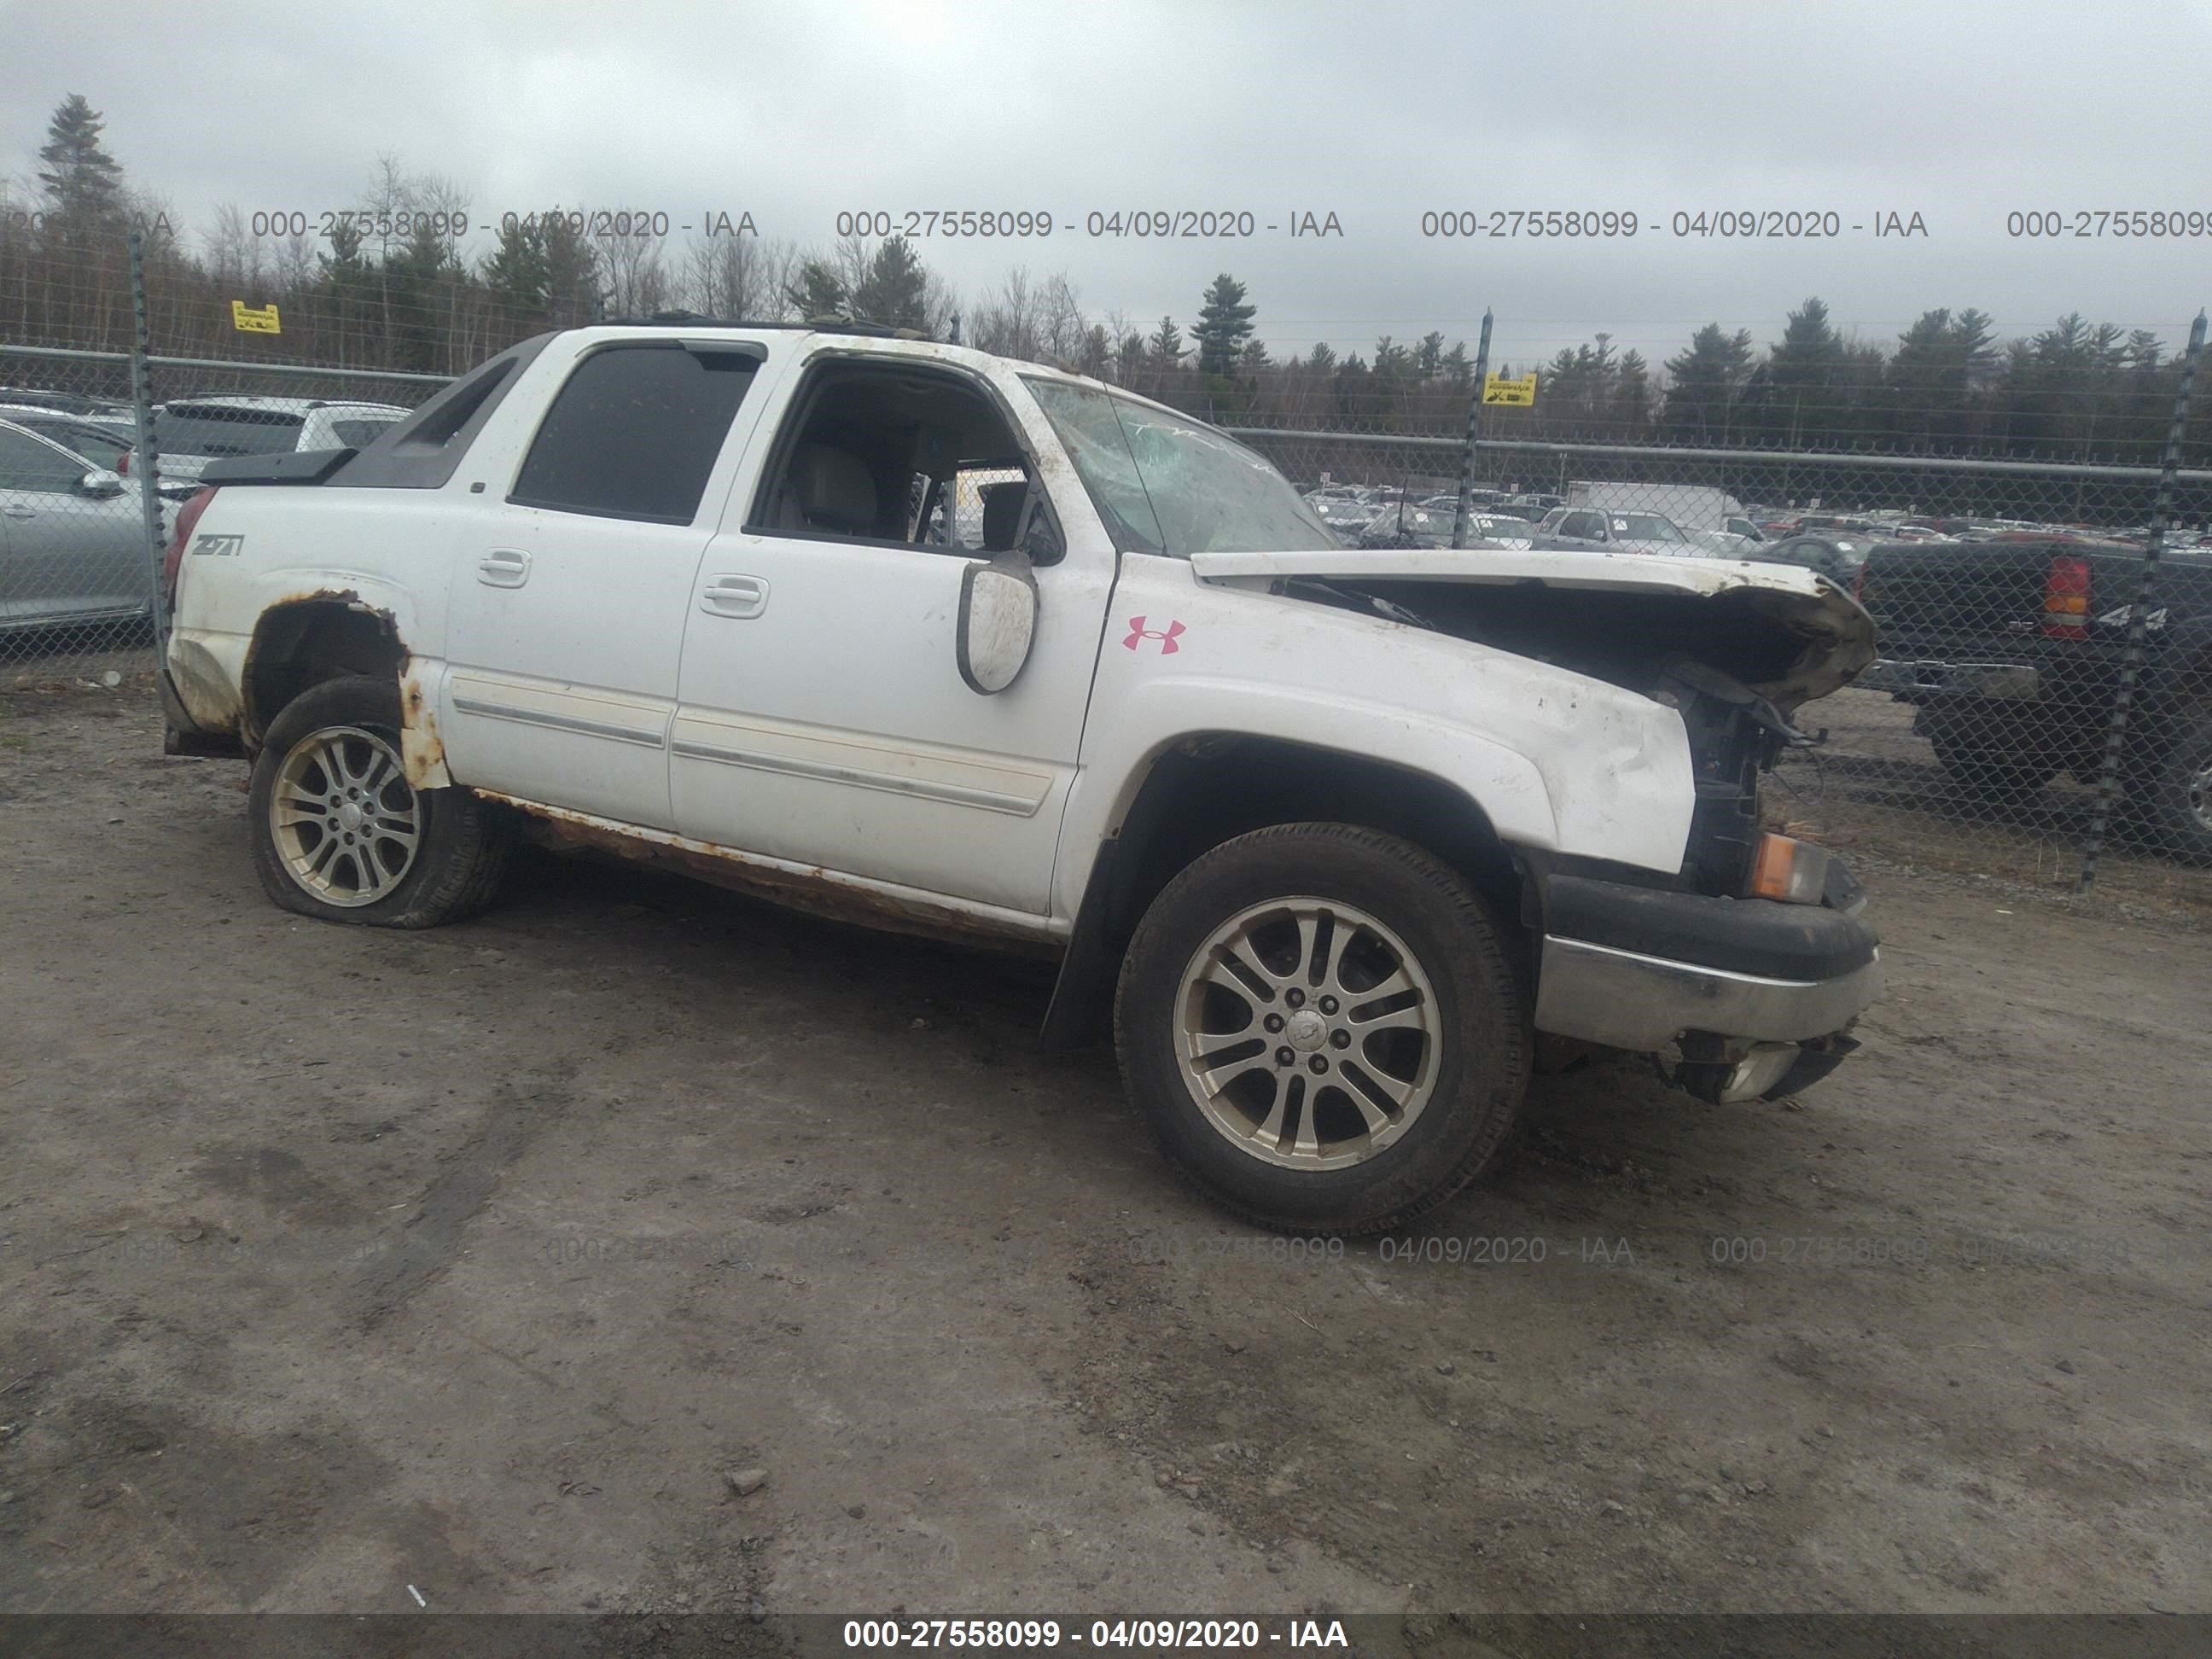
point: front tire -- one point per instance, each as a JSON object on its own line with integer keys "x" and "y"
{"x": 1324, "y": 1028}
{"x": 340, "y": 835}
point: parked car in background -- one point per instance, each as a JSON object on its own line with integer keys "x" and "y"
{"x": 104, "y": 447}
{"x": 67, "y": 403}
{"x": 2010, "y": 651}
{"x": 73, "y": 544}
{"x": 1738, "y": 537}
{"x": 1346, "y": 518}
{"x": 1431, "y": 526}
{"x": 191, "y": 432}
{"x": 1619, "y": 533}
{"x": 1535, "y": 504}
{"x": 1836, "y": 555}
{"x": 1692, "y": 508}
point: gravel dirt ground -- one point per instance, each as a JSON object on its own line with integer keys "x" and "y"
{"x": 337, "y": 1261}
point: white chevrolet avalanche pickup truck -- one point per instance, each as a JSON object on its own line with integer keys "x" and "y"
{"x": 1339, "y": 844}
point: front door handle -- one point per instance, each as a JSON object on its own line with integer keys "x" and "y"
{"x": 15, "y": 510}
{"x": 504, "y": 566}
{"x": 735, "y": 596}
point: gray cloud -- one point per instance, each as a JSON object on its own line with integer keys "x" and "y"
{"x": 1375, "y": 111}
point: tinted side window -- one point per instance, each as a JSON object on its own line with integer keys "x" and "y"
{"x": 357, "y": 434}
{"x": 27, "y": 463}
{"x": 634, "y": 433}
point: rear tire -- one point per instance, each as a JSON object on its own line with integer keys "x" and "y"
{"x": 1385, "y": 981}
{"x": 1991, "y": 756}
{"x": 2178, "y": 790}
{"x": 339, "y": 834}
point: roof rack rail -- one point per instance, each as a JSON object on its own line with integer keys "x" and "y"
{"x": 819, "y": 325}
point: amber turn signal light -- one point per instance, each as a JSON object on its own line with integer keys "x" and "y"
{"x": 1795, "y": 871}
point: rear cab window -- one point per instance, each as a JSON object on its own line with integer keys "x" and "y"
{"x": 215, "y": 429}
{"x": 635, "y": 430}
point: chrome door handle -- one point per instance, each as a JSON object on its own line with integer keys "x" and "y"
{"x": 735, "y": 596}
{"x": 504, "y": 566}
{"x": 15, "y": 511}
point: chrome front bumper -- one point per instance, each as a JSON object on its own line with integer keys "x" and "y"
{"x": 1601, "y": 993}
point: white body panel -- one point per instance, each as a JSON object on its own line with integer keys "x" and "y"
{"x": 1554, "y": 759}
{"x": 824, "y": 720}
{"x": 817, "y": 721}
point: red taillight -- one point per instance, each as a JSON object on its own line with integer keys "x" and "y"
{"x": 2066, "y": 599}
{"x": 1858, "y": 582}
{"x": 187, "y": 516}
{"x": 123, "y": 464}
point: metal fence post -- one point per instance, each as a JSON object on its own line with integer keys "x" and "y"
{"x": 1474, "y": 434}
{"x": 149, "y": 457}
{"x": 2124, "y": 694}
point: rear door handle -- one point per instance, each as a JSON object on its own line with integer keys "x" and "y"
{"x": 504, "y": 566}
{"x": 735, "y": 596}
{"x": 13, "y": 511}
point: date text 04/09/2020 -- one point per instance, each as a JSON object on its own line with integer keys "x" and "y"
{"x": 1149, "y": 1635}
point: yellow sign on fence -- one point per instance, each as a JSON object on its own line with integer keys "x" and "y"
{"x": 1522, "y": 391}
{"x": 250, "y": 320}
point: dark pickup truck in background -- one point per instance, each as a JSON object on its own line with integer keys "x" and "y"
{"x": 2011, "y": 651}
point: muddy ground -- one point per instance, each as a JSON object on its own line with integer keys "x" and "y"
{"x": 338, "y": 1262}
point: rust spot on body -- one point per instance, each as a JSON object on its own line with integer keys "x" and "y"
{"x": 422, "y": 750}
{"x": 814, "y": 890}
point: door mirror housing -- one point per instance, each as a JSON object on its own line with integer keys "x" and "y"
{"x": 998, "y": 622}
{"x": 100, "y": 481}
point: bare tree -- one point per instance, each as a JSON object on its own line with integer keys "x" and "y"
{"x": 235, "y": 255}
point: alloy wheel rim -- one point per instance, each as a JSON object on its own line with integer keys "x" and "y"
{"x": 345, "y": 821}
{"x": 1308, "y": 1034}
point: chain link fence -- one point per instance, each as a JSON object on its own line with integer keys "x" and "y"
{"x": 2044, "y": 694}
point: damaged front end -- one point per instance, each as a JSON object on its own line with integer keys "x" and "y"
{"x": 1745, "y": 969}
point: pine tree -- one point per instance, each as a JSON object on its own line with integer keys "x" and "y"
{"x": 1166, "y": 344}
{"x": 894, "y": 292}
{"x": 1457, "y": 368}
{"x": 1225, "y": 323}
{"x": 816, "y": 291}
{"x": 572, "y": 272}
{"x": 1704, "y": 381}
{"x": 83, "y": 184}
{"x": 1632, "y": 398}
{"x": 515, "y": 272}
{"x": 1801, "y": 386}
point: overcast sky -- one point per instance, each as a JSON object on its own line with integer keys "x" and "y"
{"x": 1959, "y": 111}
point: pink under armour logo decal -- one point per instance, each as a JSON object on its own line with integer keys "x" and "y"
{"x": 1166, "y": 635}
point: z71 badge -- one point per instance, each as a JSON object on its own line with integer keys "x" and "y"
{"x": 221, "y": 547}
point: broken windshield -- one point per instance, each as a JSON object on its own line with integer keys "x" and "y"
{"x": 1163, "y": 484}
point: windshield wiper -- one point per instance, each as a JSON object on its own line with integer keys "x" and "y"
{"x": 1351, "y": 598}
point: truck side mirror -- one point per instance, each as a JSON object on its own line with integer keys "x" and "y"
{"x": 998, "y": 622}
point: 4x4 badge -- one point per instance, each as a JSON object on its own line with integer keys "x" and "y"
{"x": 1166, "y": 635}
